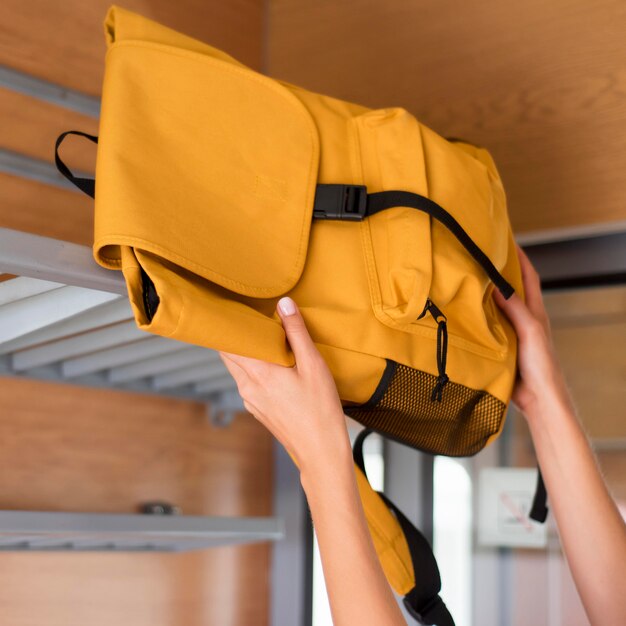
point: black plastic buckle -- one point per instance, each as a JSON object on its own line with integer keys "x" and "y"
{"x": 340, "y": 202}
{"x": 433, "y": 612}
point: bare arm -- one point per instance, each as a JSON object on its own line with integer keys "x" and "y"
{"x": 357, "y": 588}
{"x": 301, "y": 407}
{"x": 592, "y": 531}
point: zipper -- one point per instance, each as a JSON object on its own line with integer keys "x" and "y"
{"x": 442, "y": 347}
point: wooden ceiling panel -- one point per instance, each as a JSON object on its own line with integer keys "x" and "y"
{"x": 540, "y": 84}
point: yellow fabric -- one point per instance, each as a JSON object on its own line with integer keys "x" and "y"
{"x": 205, "y": 178}
{"x": 389, "y": 540}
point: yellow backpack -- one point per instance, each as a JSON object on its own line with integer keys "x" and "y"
{"x": 220, "y": 190}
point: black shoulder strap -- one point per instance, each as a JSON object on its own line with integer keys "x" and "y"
{"x": 86, "y": 185}
{"x": 539, "y": 508}
{"x": 423, "y": 601}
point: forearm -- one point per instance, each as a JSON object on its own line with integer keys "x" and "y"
{"x": 591, "y": 528}
{"x": 357, "y": 588}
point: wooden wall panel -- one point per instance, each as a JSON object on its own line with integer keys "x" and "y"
{"x": 69, "y": 448}
{"x": 211, "y": 588}
{"x": 45, "y": 210}
{"x": 596, "y": 373}
{"x": 84, "y": 449}
{"x": 541, "y": 84}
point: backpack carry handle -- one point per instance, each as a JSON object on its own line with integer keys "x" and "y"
{"x": 86, "y": 185}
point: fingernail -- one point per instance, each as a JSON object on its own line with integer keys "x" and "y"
{"x": 287, "y": 305}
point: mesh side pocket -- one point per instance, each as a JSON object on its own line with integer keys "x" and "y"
{"x": 401, "y": 409}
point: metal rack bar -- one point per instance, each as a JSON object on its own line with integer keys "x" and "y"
{"x": 21, "y": 288}
{"x": 27, "y": 315}
{"x": 117, "y": 310}
{"x": 25, "y": 254}
{"x": 144, "y": 348}
{"x": 55, "y": 531}
{"x": 184, "y": 357}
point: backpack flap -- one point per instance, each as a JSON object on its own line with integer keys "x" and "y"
{"x": 206, "y": 176}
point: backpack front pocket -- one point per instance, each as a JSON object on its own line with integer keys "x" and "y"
{"x": 396, "y": 242}
{"x": 416, "y": 255}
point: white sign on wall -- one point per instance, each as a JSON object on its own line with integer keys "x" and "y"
{"x": 504, "y": 500}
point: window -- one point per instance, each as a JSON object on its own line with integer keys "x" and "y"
{"x": 452, "y": 536}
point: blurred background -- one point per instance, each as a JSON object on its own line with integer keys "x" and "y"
{"x": 541, "y": 85}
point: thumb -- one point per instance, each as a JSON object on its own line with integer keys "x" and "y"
{"x": 516, "y": 310}
{"x": 296, "y": 330}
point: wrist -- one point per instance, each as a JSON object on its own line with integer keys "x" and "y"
{"x": 551, "y": 409}
{"x": 327, "y": 462}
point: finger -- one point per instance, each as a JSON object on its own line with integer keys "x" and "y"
{"x": 532, "y": 284}
{"x": 515, "y": 309}
{"x": 297, "y": 333}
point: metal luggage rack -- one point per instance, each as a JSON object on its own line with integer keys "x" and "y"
{"x": 66, "y": 319}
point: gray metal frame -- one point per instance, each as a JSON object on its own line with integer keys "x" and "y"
{"x": 289, "y": 576}
{"x": 56, "y": 531}
{"x": 39, "y": 170}
{"x": 25, "y": 254}
{"x": 588, "y": 260}
{"x": 47, "y": 91}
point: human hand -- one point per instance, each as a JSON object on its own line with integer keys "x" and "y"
{"x": 540, "y": 378}
{"x": 300, "y": 405}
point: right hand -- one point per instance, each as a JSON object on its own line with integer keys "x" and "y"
{"x": 540, "y": 379}
{"x": 299, "y": 405}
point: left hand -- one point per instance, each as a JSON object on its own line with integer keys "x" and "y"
{"x": 540, "y": 382}
{"x": 300, "y": 405}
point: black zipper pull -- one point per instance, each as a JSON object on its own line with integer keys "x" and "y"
{"x": 442, "y": 347}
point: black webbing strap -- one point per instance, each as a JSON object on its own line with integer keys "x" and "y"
{"x": 539, "y": 508}
{"x": 86, "y": 185}
{"x": 352, "y": 202}
{"x": 423, "y": 601}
